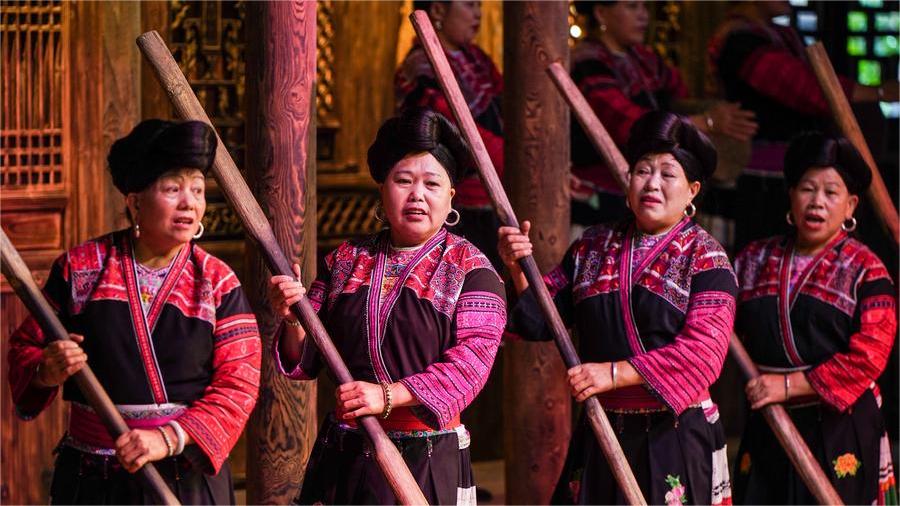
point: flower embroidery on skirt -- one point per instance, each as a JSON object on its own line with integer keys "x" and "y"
{"x": 846, "y": 465}
{"x": 678, "y": 494}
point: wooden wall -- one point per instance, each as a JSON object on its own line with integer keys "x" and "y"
{"x": 98, "y": 102}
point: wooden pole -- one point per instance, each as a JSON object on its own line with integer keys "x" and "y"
{"x": 280, "y": 167}
{"x": 846, "y": 121}
{"x": 597, "y": 417}
{"x": 258, "y": 228}
{"x": 19, "y": 277}
{"x": 775, "y": 414}
{"x": 538, "y": 404}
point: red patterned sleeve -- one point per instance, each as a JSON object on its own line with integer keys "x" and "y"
{"x": 776, "y": 73}
{"x": 446, "y": 387}
{"x": 435, "y": 100}
{"x": 215, "y": 421}
{"x": 841, "y": 379}
{"x": 615, "y": 110}
{"x": 682, "y": 370}
{"x": 26, "y": 346}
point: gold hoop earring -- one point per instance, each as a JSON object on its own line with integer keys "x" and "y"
{"x": 852, "y": 227}
{"x": 692, "y": 212}
{"x": 199, "y": 234}
{"x": 376, "y": 214}
{"x": 456, "y": 221}
{"x": 789, "y": 219}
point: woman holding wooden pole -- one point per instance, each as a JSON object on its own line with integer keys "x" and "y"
{"x": 163, "y": 324}
{"x": 652, "y": 301}
{"x": 416, "y": 312}
{"x": 817, "y": 313}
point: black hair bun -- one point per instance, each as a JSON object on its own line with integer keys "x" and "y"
{"x": 419, "y": 130}
{"x": 155, "y": 147}
{"x": 663, "y": 132}
{"x": 815, "y": 149}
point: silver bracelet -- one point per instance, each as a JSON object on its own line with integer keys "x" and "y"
{"x": 179, "y": 433}
{"x": 614, "y": 373}
{"x": 787, "y": 386}
{"x": 167, "y": 440}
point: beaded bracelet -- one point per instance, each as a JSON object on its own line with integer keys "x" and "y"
{"x": 388, "y": 400}
{"x": 168, "y": 441}
{"x": 179, "y": 432}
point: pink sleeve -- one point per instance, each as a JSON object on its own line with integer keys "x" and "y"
{"x": 679, "y": 372}
{"x": 446, "y": 387}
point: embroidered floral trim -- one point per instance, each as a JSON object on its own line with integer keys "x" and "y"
{"x": 745, "y": 464}
{"x": 846, "y": 465}
{"x": 678, "y": 494}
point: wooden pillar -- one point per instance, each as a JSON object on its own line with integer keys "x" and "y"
{"x": 281, "y": 81}
{"x": 538, "y": 405}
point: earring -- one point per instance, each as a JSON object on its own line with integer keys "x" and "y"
{"x": 789, "y": 218}
{"x": 603, "y": 27}
{"x": 137, "y": 231}
{"x": 692, "y": 212}
{"x": 456, "y": 221}
{"x": 438, "y": 25}
{"x": 199, "y": 233}
{"x": 852, "y": 226}
{"x": 378, "y": 212}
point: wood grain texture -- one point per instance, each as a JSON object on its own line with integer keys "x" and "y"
{"x": 281, "y": 172}
{"x": 538, "y": 407}
{"x": 846, "y": 121}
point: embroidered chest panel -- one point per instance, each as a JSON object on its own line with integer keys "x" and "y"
{"x": 437, "y": 278}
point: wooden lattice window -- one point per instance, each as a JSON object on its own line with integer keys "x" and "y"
{"x": 32, "y": 138}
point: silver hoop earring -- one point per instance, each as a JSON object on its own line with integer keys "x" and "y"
{"x": 692, "y": 212}
{"x": 789, "y": 219}
{"x": 852, "y": 226}
{"x": 603, "y": 27}
{"x": 438, "y": 25}
{"x": 456, "y": 221}
{"x": 199, "y": 234}
{"x": 137, "y": 231}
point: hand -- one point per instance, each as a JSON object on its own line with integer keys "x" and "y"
{"x": 765, "y": 389}
{"x": 589, "y": 379}
{"x": 60, "y": 360}
{"x": 729, "y": 119}
{"x": 137, "y": 447}
{"x": 513, "y": 244}
{"x": 285, "y": 291}
{"x": 359, "y": 398}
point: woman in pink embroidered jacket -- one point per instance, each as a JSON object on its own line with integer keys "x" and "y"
{"x": 417, "y": 314}
{"x": 652, "y": 301}
{"x": 163, "y": 324}
{"x": 817, "y": 312}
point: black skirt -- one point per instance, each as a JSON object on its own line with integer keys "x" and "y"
{"x": 676, "y": 460}
{"x": 851, "y": 447}
{"x": 342, "y": 467}
{"x": 86, "y": 478}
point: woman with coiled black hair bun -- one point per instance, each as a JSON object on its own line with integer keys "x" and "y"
{"x": 417, "y": 314}
{"x": 817, "y": 312}
{"x": 163, "y": 324}
{"x": 652, "y": 299}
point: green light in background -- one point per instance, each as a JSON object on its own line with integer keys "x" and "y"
{"x": 887, "y": 21}
{"x": 856, "y": 46}
{"x": 869, "y": 72}
{"x": 872, "y": 4}
{"x": 886, "y": 45}
{"x": 857, "y": 21}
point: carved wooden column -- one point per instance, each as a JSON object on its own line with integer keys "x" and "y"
{"x": 538, "y": 406}
{"x": 281, "y": 80}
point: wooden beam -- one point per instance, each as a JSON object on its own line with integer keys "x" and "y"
{"x": 538, "y": 408}
{"x": 280, "y": 168}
